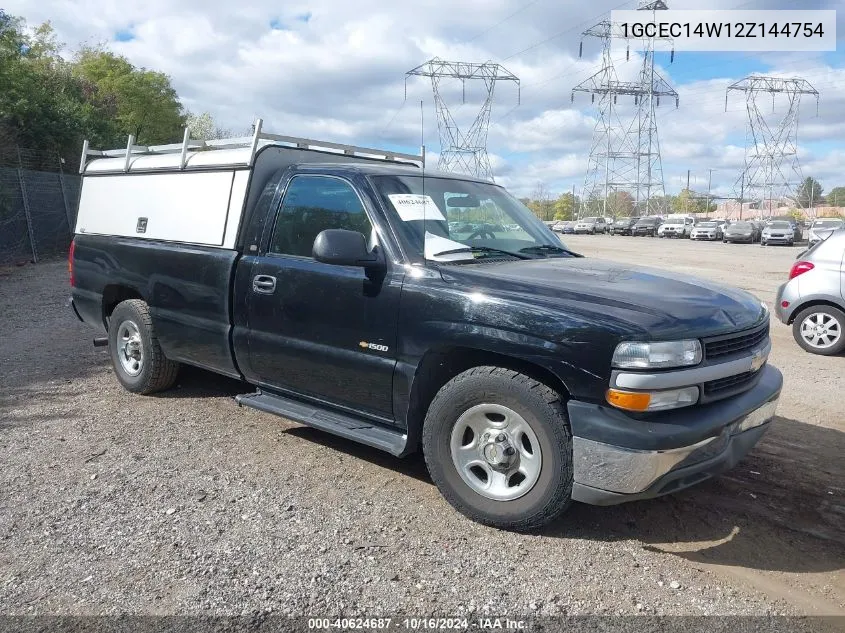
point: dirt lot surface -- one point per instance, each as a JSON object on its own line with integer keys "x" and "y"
{"x": 184, "y": 503}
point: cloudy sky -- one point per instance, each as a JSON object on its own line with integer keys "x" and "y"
{"x": 335, "y": 70}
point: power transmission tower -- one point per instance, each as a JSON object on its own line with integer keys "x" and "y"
{"x": 464, "y": 152}
{"x": 771, "y": 172}
{"x": 625, "y": 150}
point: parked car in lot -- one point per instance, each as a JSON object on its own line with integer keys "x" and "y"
{"x": 677, "y": 225}
{"x": 623, "y": 226}
{"x": 646, "y": 226}
{"x": 591, "y": 225}
{"x": 812, "y": 301}
{"x": 822, "y": 228}
{"x": 741, "y": 232}
{"x": 779, "y": 232}
{"x": 795, "y": 225}
{"x": 527, "y": 375}
{"x": 708, "y": 231}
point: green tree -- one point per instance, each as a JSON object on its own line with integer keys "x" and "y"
{"x": 809, "y": 193}
{"x": 836, "y": 197}
{"x": 41, "y": 105}
{"x": 49, "y": 103}
{"x": 683, "y": 202}
{"x": 565, "y": 207}
{"x": 144, "y": 102}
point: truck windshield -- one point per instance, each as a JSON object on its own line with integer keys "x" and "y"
{"x": 457, "y": 220}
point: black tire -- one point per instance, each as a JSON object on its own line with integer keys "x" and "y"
{"x": 541, "y": 407}
{"x": 156, "y": 373}
{"x": 835, "y": 313}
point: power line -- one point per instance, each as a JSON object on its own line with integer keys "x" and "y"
{"x": 502, "y": 21}
{"x": 560, "y": 33}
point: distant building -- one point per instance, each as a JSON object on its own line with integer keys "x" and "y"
{"x": 749, "y": 211}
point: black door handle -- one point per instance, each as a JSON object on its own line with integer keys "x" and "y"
{"x": 264, "y": 284}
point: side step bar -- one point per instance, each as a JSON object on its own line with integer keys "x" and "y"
{"x": 337, "y": 423}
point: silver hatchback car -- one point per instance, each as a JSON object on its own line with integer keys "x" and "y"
{"x": 813, "y": 300}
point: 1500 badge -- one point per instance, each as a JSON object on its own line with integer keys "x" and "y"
{"x": 373, "y": 346}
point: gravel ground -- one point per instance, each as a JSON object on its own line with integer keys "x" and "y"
{"x": 185, "y": 503}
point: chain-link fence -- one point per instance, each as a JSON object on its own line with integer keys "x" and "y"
{"x": 39, "y": 191}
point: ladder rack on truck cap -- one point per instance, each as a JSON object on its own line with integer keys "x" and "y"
{"x": 133, "y": 192}
{"x": 231, "y": 152}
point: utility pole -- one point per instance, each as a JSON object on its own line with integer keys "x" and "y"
{"x": 812, "y": 191}
{"x": 709, "y": 188}
{"x": 689, "y": 193}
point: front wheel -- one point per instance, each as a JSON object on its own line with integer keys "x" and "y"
{"x": 818, "y": 329}
{"x": 137, "y": 358}
{"x": 498, "y": 446}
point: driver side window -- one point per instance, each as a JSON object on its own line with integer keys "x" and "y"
{"x": 313, "y": 204}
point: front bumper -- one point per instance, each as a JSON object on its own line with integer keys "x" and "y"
{"x": 707, "y": 237}
{"x": 778, "y": 239}
{"x": 618, "y": 458}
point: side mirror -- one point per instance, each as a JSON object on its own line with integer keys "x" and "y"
{"x": 344, "y": 248}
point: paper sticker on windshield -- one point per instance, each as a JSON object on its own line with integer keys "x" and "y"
{"x": 442, "y": 249}
{"x": 414, "y": 206}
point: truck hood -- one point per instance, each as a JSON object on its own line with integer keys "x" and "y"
{"x": 652, "y": 302}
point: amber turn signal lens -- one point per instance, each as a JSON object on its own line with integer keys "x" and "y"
{"x": 629, "y": 400}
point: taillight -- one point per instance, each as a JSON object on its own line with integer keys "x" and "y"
{"x": 70, "y": 262}
{"x": 799, "y": 268}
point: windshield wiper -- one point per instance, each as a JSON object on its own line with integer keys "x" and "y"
{"x": 549, "y": 248}
{"x": 480, "y": 249}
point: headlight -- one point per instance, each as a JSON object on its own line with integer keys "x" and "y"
{"x": 656, "y": 355}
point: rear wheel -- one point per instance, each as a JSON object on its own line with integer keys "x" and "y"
{"x": 137, "y": 358}
{"x": 819, "y": 330}
{"x": 498, "y": 446}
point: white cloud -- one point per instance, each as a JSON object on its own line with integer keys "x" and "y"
{"x": 335, "y": 70}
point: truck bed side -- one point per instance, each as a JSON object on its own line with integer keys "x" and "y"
{"x": 187, "y": 287}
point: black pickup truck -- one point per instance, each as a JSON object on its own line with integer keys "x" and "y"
{"x": 413, "y": 310}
